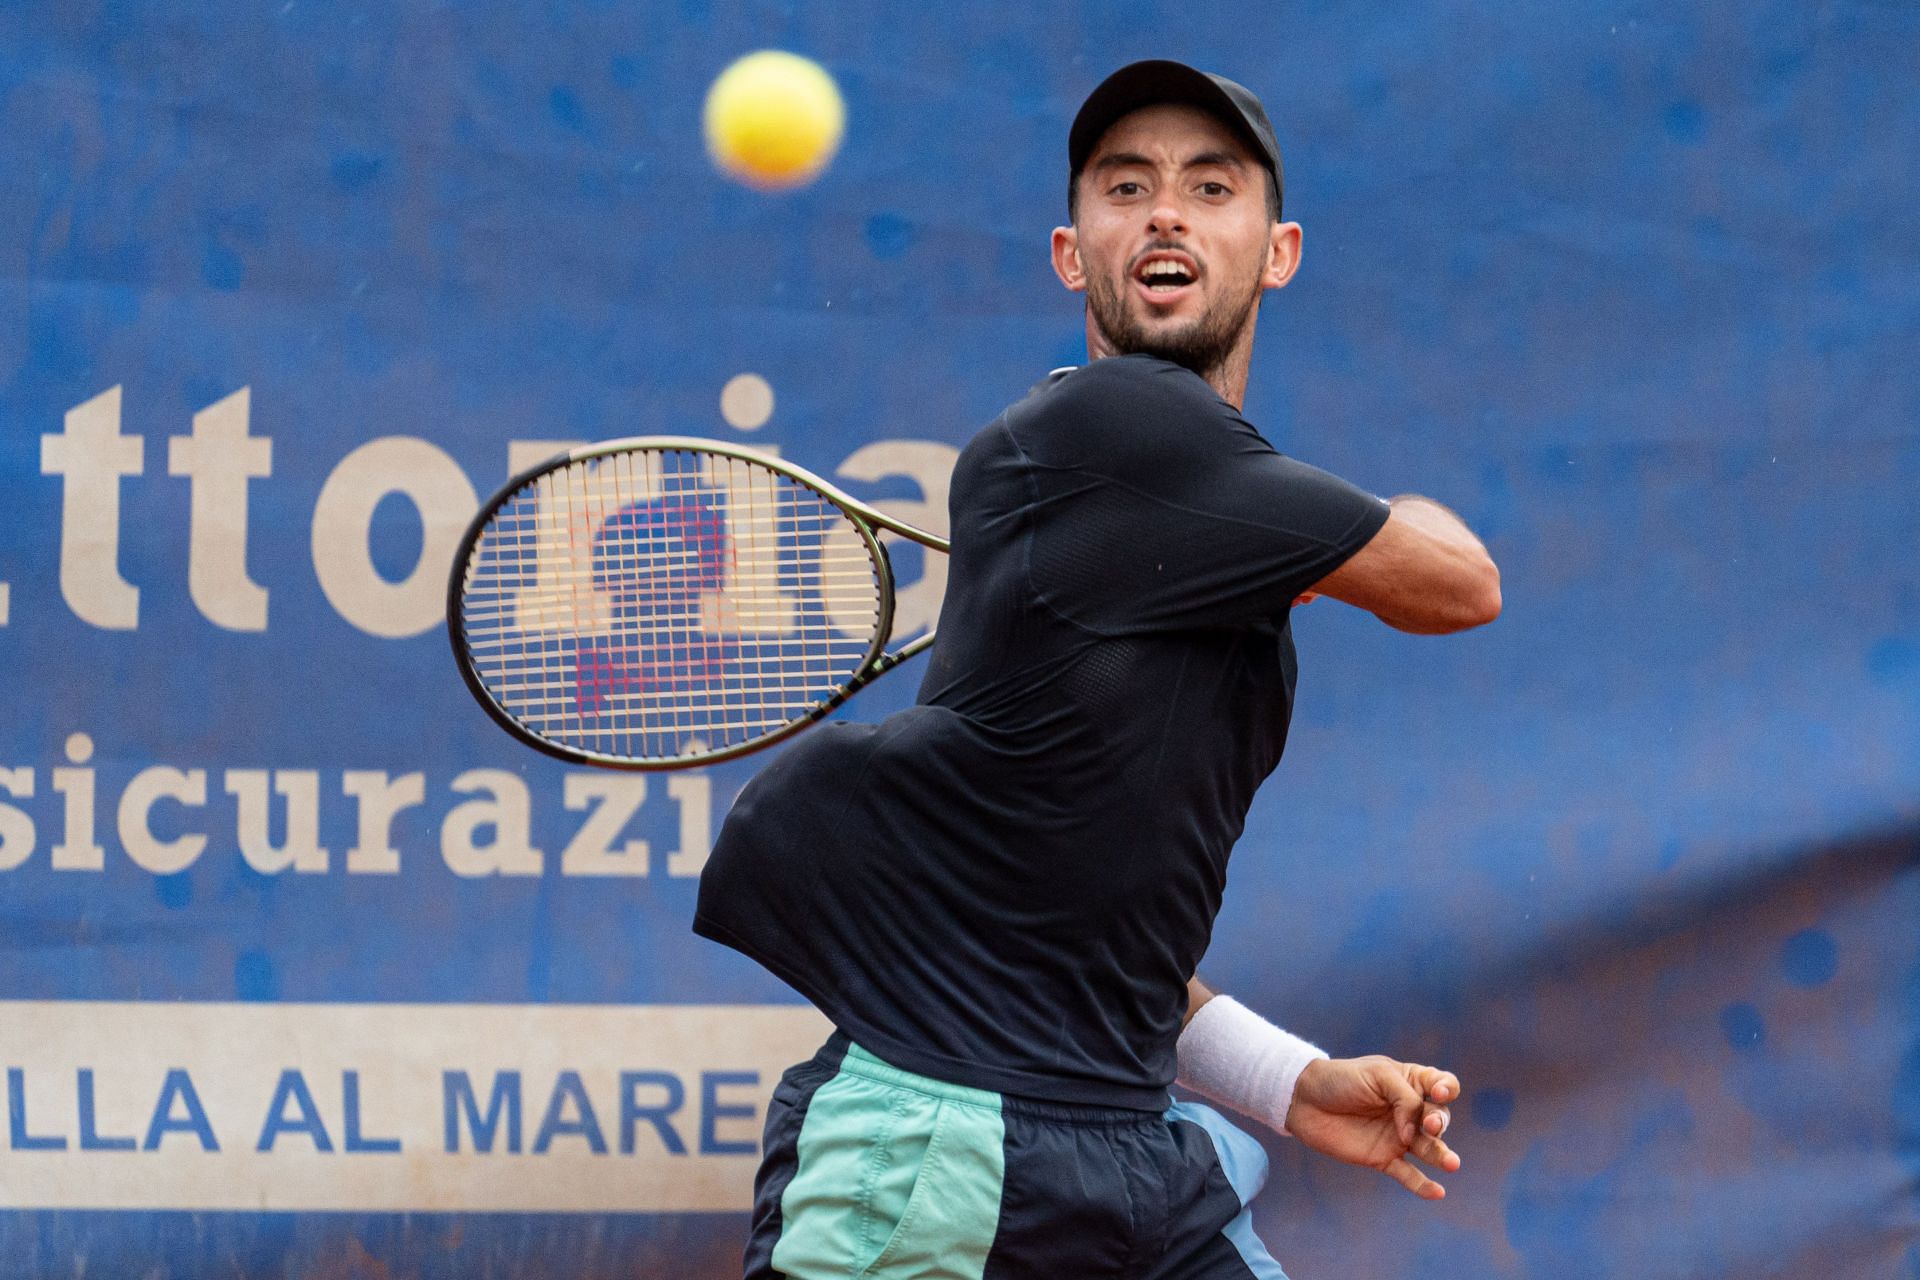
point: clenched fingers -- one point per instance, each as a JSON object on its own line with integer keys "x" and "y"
{"x": 1413, "y": 1180}
{"x": 1436, "y": 1153}
{"x": 1434, "y": 1120}
{"x": 1435, "y": 1085}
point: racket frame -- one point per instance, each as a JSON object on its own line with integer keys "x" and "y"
{"x": 864, "y": 518}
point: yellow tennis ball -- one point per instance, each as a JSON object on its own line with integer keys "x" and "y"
{"x": 774, "y": 119}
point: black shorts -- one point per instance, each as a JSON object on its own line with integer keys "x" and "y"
{"x": 870, "y": 1171}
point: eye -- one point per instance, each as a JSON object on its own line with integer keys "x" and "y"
{"x": 1215, "y": 189}
{"x": 1125, "y": 189}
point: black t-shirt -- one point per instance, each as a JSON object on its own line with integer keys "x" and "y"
{"x": 1008, "y": 884}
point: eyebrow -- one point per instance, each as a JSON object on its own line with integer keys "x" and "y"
{"x": 1224, "y": 159}
{"x": 1128, "y": 159}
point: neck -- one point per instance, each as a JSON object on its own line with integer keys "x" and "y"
{"x": 1228, "y": 377}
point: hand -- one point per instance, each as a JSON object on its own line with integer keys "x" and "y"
{"x": 1376, "y": 1112}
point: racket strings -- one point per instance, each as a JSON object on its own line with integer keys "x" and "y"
{"x": 656, "y": 603}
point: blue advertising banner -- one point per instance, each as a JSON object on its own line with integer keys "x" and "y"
{"x": 306, "y": 969}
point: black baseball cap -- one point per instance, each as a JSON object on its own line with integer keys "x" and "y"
{"x": 1144, "y": 84}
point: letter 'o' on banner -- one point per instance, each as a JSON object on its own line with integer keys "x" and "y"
{"x": 343, "y": 515}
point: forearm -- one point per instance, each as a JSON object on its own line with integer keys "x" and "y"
{"x": 1235, "y": 1057}
{"x": 1425, "y": 572}
{"x": 1198, "y": 993}
{"x": 1436, "y": 519}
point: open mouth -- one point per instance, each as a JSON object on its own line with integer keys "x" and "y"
{"x": 1162, "y": 275}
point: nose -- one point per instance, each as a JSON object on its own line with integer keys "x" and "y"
{"x": 1167, "y": 219}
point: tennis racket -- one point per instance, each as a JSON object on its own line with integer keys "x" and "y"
{"x": 663, "y": 602}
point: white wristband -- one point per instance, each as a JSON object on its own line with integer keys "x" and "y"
{"x": 1231, "y": 1055}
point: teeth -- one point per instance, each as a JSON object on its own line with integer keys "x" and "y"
{"x": 1163, "y": 273}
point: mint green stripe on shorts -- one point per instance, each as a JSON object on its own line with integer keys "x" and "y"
{"x": 898, "y": 1175}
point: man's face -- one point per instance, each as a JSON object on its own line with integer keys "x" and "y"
{"x": 1171, "y": 237}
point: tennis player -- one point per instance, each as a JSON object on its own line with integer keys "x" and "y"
{"x": 999, "y": 895}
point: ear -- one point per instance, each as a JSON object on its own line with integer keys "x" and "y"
{"x": 1283, "y": 255}
{"x": 1066, "y": 259}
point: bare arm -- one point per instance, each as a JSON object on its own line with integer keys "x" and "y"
{"x": 1198, "y": 993}
{"x": 1424, "y": 572}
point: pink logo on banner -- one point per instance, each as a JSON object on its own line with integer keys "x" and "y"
{"x": 656, "y": 561}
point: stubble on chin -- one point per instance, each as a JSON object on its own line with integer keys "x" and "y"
{"x": 1202, "y": 344}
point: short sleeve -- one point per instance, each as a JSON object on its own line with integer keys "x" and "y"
{"x": 1156, "y": 506}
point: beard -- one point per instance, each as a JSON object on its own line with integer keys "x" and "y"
{"x": 1201, "y": 344}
